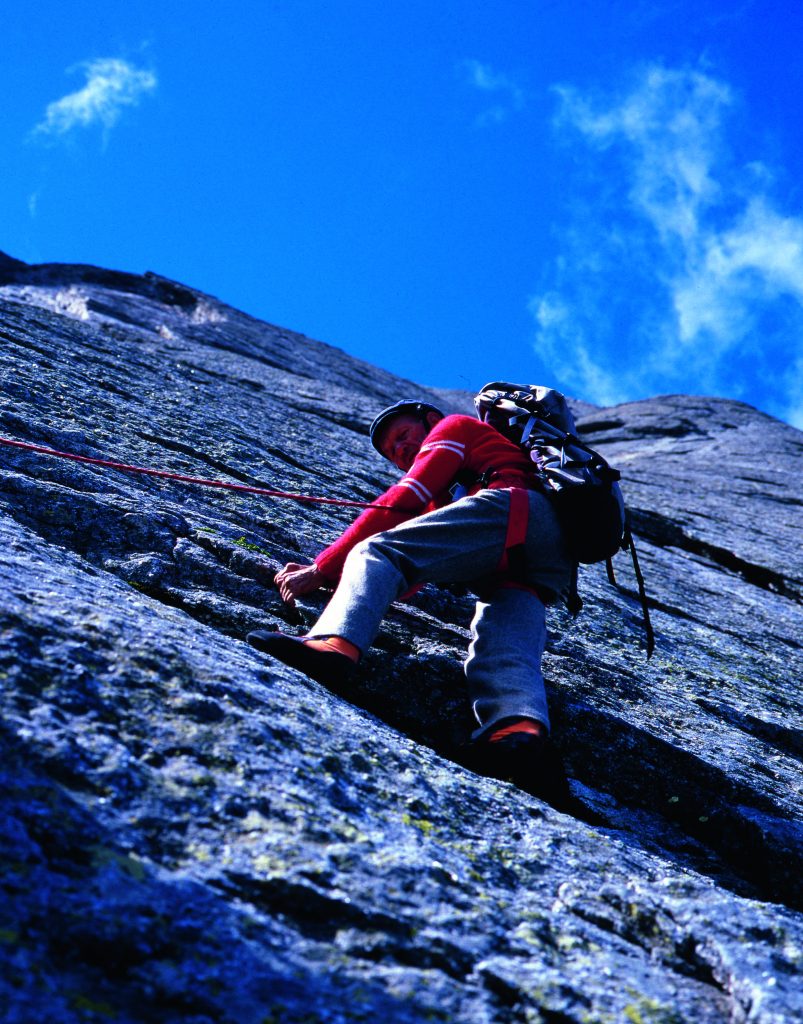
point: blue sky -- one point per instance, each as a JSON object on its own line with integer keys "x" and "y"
{"x": 601, "y": 196}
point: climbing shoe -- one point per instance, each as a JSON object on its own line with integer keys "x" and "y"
{"x": 326, "y": 666}
{"x": 516, "y": 751}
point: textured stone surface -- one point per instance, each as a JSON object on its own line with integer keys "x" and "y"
{"x": 190, "y": 833}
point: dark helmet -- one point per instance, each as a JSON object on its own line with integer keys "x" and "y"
{"x": 407, "y": 405}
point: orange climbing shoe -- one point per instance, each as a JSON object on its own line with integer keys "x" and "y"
{"x": 327, "y": 662}
{"x": 527, "y": 726}
{"x": 518, "y": 750}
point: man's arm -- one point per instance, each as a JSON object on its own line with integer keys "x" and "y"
{"x": 423, "y": 486}
{"x": 441, "y": 457}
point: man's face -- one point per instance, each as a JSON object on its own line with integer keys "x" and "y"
{"x": 402, "y": 438}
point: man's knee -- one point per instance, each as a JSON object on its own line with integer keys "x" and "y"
{"x": 360, "y": 550}
{"x": 368, "y": 549}
{"x": 373, "y": 551}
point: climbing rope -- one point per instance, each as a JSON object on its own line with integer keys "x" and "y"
{"x": 224, "y": 484}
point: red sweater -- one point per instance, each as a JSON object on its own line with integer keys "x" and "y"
{"x": 455, "y": 443}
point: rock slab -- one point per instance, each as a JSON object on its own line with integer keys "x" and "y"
{"x": 193, "y": 834}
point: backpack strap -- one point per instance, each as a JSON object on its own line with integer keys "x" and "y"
{"x": 574, "y": 603}
{"x": 628, "y": 542}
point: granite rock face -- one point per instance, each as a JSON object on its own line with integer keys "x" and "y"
{"x": 191, "y": 833}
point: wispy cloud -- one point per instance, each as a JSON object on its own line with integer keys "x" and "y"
{"x": 678, "y": 268}
{"x": 111, "y": 85}
{"x": 506, "y": 95}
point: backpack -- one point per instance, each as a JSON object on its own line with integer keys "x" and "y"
{"x": 583, "y": 487}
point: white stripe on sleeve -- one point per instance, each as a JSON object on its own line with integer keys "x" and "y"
{"x": 417, "y": 488}
{"x": 449, "y": 446}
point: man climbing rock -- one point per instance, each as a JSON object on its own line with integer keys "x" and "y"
{"x": 501, "y": 537}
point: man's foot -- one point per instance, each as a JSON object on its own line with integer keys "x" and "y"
{"x": 518, "y": 750}
{"x": 316, "y": 659}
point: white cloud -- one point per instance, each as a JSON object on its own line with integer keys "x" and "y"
{"x": 573, "y": 359}
{"x": 696, "y": 281}
{"x": 111, "y": 85}
{"x": 508, "y": 95}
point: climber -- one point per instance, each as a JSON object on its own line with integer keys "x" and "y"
{"x": 466, "y": 510}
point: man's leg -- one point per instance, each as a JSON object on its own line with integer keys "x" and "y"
{"x": 503, "y": 668}
{"x": 369, "y": 584}
{"x": 460, "y": 543}
{"x": 506, "y": 689}
{"x": 453, "y": 544}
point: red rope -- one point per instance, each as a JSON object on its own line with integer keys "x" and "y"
{"x": 188, "y": 479}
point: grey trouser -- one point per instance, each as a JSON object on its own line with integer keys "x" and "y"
{"x": 464, "y": 543}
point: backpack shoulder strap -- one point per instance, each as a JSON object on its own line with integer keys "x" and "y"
{"x": 628, "y": 542}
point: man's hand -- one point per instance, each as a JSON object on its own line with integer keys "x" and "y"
{"x": 295, "y": 580}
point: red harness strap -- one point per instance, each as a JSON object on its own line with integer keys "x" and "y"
{"x": 516, "y": 529}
